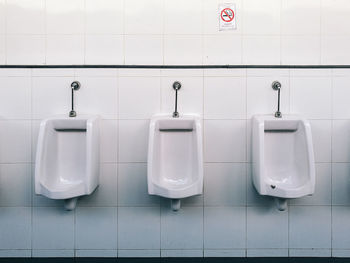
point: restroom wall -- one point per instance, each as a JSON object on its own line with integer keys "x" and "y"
{"x": 121, "y": 219}
{"x": 157, "y": 32}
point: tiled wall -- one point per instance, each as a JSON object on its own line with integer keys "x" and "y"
{"x": 121, "y": 219}
{"x": 173, "y": 32}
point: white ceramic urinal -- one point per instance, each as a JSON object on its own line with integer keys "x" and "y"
{"x": 283, "y": 158}
{"x": 67, "y": 158}
{"x": 175, "y": 157}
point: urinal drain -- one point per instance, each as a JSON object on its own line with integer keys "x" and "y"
{"x": 273, "y": 186}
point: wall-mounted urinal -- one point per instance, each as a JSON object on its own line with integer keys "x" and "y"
{"x": 283, "y": 157}
{"x": 67, "y": 157}
{"x": 175, "y": 157}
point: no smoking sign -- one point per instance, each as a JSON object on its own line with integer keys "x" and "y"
{"x": 227, "y": 17}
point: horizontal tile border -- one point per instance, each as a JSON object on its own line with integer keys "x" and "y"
{"x": 178, "y": 260}
{"x": 183, "y": 66}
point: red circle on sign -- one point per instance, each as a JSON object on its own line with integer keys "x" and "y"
{"x": 227, "y": 15}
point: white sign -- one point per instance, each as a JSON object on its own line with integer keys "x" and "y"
{"x": 227, "y": 17}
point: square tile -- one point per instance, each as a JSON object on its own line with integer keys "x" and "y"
{"x": 52, "y": 253}
{"x": 310, "y": 227}
{"x": 138, "y": 228}
{"x": 15, "y": 89}
{"x": 104, "y": 17}
{"x": 108, "y": 141}
{"x": 225, "y": 141}
{"x": 190, "y": 13}
{"x": 138, "y": 253}
{"x": 15, "y": 227}
{"x": 143, "y": 17}
{"x": 133, "y": 140}
{"x": 332, "y": 50}
{"x": 225, "y": 184}
{"x": 217, "y": 253}
{"x": 267, "y": 237}
{"x": 15, "y": 141}
{"x": 341, "y": 94}
{"x": 340, "y": 227}
{"x": 96, "y": 228}
{"x": 151, "y": 52}
{"x": 225, "y": 98}
{"x": 341, "y": 141}
{"x": 261, "y": 50}
{"x": 183, "y": 50}
{"x": 104, "y": 49}
{"x": 139, "y": 98}
{"x": 190, "y": 96}
{"x": 106, "y": 192}
{"x": 53, "y": 228}
{"x": 65, "y": 17}
{"x": 340, "y": 184}
{"x": 24, "y": 50}
{"x": 304, "y": 101}
{"x": 261, "y": 253}
{"x": 224, "y": 227}
{"x": 25, "y": 17}
{"x": 132, "y": 186}
{"x": 15, "y": 185}
{"x": 181, "y": 253}
{"x": 96, "y": 253}
{"x": 334, "y": 14}
{"x": 103, "y": 88}
{"x": 182, "y": 229}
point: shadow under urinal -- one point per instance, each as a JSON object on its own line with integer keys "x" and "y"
{"x": 283, "y": 157}
{"x": 175, "y": 158}
{"x": 67, "y": 158}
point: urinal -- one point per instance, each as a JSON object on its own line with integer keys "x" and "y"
{"x": 283, "y": 157}
{"x": 175, "y": 157}
{"x": 67, "y": 158}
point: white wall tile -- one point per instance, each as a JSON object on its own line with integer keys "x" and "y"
{"x": 310, "y": 227}
{"x": 261, "y": 253}
{"x": 261, "y": 17}
{"x": 53, "y": 253}
{"x": 335, "y": 16}
{"x": 132, "y": 178}
{"x": 136, "y": 222}
{"x": 143, "y": 17}
{"x": 301, "y": 17}
{"x": 340, "y": 227}
{"x": 225, "y": 141}
{"x": 340, "y": 184}
{"x": 104, "y": 49}
{"x": 3, "y": 49}
{"x": 133, "y": 140}
{"x": 325, "y": 253}
{"x": 22, "y": 49}
{"x": 96, "y": 228}
{"x": 267, "y": 237}
{"x": 53, "y": 228}
{"x": 322, "y": 139}
{"x": 224, "y": 227}
{"x": 183, "y": 229}
{"x": 300, "y": 50}
{"x": 341, "y": 141}
{"x": 139, "y": 98}
{"x": 2, "y": 16}
{"x": 261, "y": 50}
{"x": 136, "y": 55}
{"x": 105, "y": 89}
{"x": 67, "y": 49}
{"x": 183, "y": 50}
{"x": 15, "y": 101}
{"x": 96, "y": 253}
{"x": 217, "y": 253}
{"x": 25, "y": 17}
{"x": 340, "y": 99}
{"x": 15, "y": 227}
{"x": 303, "y": 98}
{"x": 109, "y": 141}
{"x": 183, "y": 17}
{"x": 138, "y": 253}
{"x": 15, "y": 178}
{"x": 190, "y": 96}
{"x": 224, "y": 184}
{"x": 65, "y": 16}
{"x": 224, "y": 98}
{"x": 104, "y": 16}
{"x": 333, "y": 50}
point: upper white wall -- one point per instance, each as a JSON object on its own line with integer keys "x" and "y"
{"x": 170, "y": 32}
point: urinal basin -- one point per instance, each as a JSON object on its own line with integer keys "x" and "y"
{"x": 67, "y": 159}
{"x": 175, "y": 156}
{"x": 283, "y": 158}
